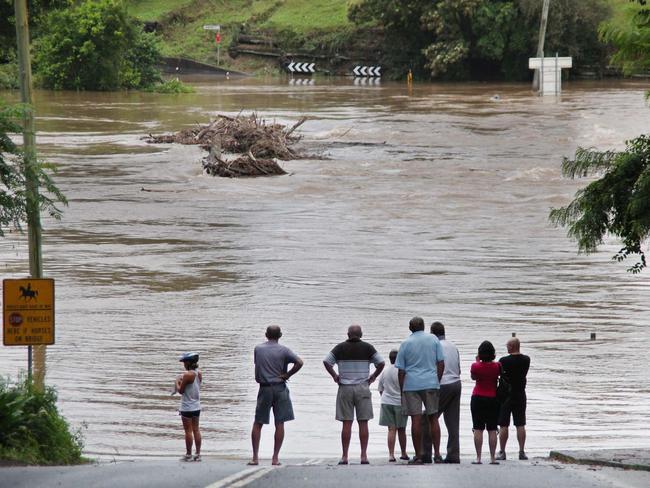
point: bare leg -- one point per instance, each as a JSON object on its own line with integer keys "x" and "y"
{"x": 478, "y": 443}
{"x": 416, "y": 435}
{"x": 503, "y": 438}
{"x": 363, "y": 439}
{"x": 256, "y": 434}
{"x": 435, "y": 434}
{"x": 277, "y": 443}
{"x": 346, "y": 435}
{"x": 197, "y": 435}
{"x": 492, "y": 442}
{"x": 401, "y": 435}
{"x": 392, "y": 433}
{"x": 187, "y": 427}
{"x": 521, "y": 437}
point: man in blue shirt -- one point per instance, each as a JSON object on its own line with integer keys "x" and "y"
{"x": 421, "y": 363}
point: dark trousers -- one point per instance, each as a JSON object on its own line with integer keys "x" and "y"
{"x": 449, "y": 408}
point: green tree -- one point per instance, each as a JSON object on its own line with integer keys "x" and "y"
{"x": 95, "y": 45}
{"x": 630, "y": 36}
{"x": 13, "y": 201}
{"x": 481, "y": 39}
{"x": 618, "y": 203}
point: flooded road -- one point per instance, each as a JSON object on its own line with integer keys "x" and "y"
{"x": 429, "y": 202}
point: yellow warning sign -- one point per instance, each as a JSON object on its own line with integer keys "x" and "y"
{"x": 28, "y": 312}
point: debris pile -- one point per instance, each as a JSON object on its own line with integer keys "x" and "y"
{"x": 246, "y": 165}
{"x": 239, "y": 135}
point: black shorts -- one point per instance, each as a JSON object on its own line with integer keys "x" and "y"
{"x": 485, "y": 412}
{"x": 190, "y": 414}
{"x": 515, "y": 406}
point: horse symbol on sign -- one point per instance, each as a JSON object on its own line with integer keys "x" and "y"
{"x": 28, "y": 294}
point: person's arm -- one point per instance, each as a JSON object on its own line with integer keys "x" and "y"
{"x": 440, "y": 365}
{"x": 380, "y": 385}
{"x": 378, "y": 369}
{"x": 183, "y": 381}
{"x": 298, "y": 363}
{"x": 331, "y": 371}
{"x": 471, "y": 370}
{"x": 401, "y": 375}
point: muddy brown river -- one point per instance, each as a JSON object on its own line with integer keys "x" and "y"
{"x": 431, "y": 201}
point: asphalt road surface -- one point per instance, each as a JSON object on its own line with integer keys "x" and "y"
{"x": 220, "y": 473}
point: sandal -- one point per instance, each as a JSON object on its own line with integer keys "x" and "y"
{"x": 415, "y": 461}
{"x": 197, "y": 458}
{"x": 187, "y": 457}
{"x": 404, "y": 458}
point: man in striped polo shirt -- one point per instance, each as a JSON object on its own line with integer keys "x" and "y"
{"x": 353, "y": 358}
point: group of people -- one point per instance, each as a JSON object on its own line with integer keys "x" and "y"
{"x": 422, "y": 382}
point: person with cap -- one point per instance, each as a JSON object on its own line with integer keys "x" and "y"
{"x": 271, "y": 364}
{"x": 189, "y": 386}
{"x": 484, "y": 404}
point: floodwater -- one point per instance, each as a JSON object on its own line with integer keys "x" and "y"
{"x": 431, "y": 201}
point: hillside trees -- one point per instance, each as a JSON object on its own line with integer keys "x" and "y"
{"x": 483, "y": 39}
{"x": 95, "y": 45}
{"x": 630, "y": 37}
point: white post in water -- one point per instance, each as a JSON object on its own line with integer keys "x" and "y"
{"x": 550, "y": 71}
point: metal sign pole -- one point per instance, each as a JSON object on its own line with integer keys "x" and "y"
{"x": 558, "y": 75}
{"x": 541, "y": 77}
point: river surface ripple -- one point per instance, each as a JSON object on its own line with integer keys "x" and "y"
{"x": 432, "y": 201}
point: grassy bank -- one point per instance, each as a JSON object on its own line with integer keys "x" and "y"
{"x": 311, "y": 22}
{"x": 292, "y": 24}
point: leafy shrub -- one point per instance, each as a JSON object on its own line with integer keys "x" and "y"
{"x": 95, "y": 45}
{"x": 32, "y": 430}
{"x": 9, "y": 75}
{"x": 171, "y": 86}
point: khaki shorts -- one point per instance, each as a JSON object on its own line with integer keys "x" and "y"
{"x": 351, "y": 398}
{"x": 412, "y": 402}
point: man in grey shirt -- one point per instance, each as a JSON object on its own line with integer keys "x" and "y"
{"x": 271, "y": 362}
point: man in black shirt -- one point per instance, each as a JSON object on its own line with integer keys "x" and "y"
{"x": 515, "y": 367}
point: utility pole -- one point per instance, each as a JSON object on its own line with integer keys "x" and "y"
{"x": 31, "y": 176}
{"x": 540, "y": 41}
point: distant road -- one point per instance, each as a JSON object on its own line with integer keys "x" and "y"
{"x": 223, "y": 473}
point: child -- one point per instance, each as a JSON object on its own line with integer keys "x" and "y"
{"x": 390, "y": 414}
{"x": 189, "y": 385}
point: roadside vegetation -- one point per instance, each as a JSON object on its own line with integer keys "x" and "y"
{"x": 617, "y": 203}
{"x": 31, "y": 429}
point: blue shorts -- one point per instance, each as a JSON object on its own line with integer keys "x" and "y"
{"x": 274, "y": 397}
{"x": 190, "y": 414}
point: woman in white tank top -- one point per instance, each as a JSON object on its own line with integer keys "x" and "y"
{"x": 189, "y": 386}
